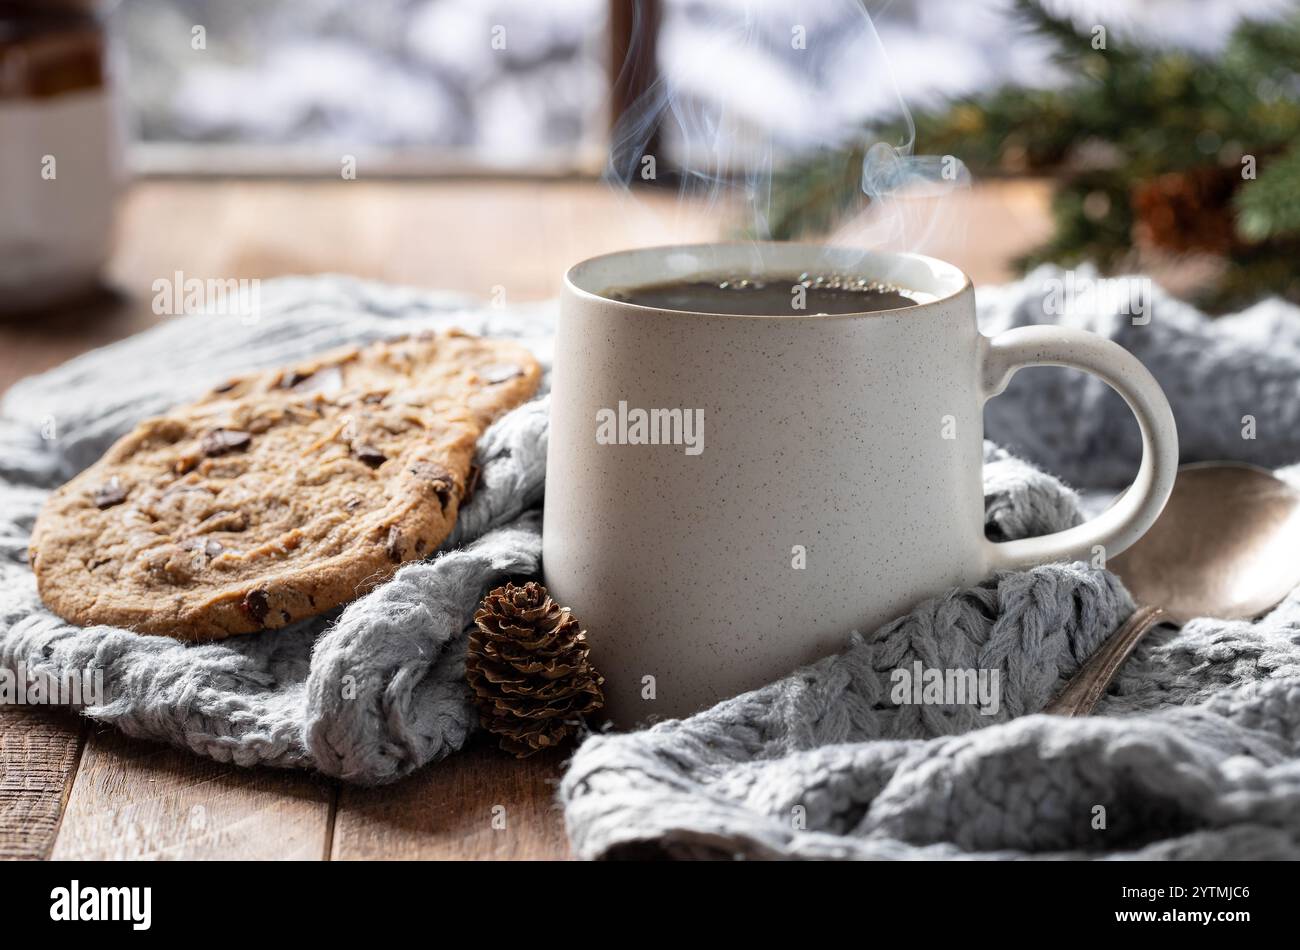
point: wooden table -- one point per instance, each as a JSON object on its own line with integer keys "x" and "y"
{"x": 73, "y": 789}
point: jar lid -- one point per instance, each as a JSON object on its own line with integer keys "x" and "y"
{"x": 49, "y": 48}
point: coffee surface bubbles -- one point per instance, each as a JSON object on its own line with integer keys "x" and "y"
{"x": 804, "y": 295}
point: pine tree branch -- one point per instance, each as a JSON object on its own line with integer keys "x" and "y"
{"x": 1269, "y": 206}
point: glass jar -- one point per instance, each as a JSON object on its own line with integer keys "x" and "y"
{"x": 60, "y": 151}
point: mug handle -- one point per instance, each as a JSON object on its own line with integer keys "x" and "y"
{"x": 1137, "y": 509}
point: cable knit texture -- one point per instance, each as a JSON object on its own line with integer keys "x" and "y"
{"x": 1194, "y": 754}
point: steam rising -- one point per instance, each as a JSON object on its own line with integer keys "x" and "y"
{"x": 748, "y": 89}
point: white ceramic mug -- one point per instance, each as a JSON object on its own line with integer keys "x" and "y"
{"x": 823, "y": 473}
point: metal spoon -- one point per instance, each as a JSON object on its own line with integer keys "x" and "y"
{"x": 1227, "y": 545}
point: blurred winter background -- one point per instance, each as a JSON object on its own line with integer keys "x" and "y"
{"x": 422, "y": 73}
{"x": 1168, "y": 131}
{"x": 382, "y": 73}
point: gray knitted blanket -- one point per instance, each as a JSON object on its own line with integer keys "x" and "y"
{"x": 1194, "y": 755}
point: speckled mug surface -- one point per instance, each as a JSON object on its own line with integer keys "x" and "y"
{"x": 727, "y": 497}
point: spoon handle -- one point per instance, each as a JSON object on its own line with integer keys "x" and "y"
{"x": 1085, "y": 690}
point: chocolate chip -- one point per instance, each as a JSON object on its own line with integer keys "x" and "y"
{"x": 370, "y": 455}
{"x": 109, "y": 494}
{"x": 499, "y": 373}
{"x": 326, "y": 380}
{"x": 256, "y": 605}
{"x": 221, "y": 441}
{"x": 394, "y": 545}
{"x": 439, "y": 479}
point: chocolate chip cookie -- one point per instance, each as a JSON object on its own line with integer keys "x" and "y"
{"x": 280, "y": 494}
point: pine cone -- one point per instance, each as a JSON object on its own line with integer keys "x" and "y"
{"x": 1187, "y": 211}
{"x": 528, "y": 667}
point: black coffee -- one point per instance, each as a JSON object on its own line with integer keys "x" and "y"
{"x": 769, "y": 296}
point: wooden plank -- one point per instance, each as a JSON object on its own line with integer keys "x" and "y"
{"x": 471, "y": 236}
{"x": 39, "y": 748}
{"x": 480, "y": 804}
{"x": 134, "y": 800}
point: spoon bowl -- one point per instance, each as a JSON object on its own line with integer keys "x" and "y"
{"x": 1227, "y": 545}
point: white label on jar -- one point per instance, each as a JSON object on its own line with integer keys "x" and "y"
{"x": 60, "y": 171}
